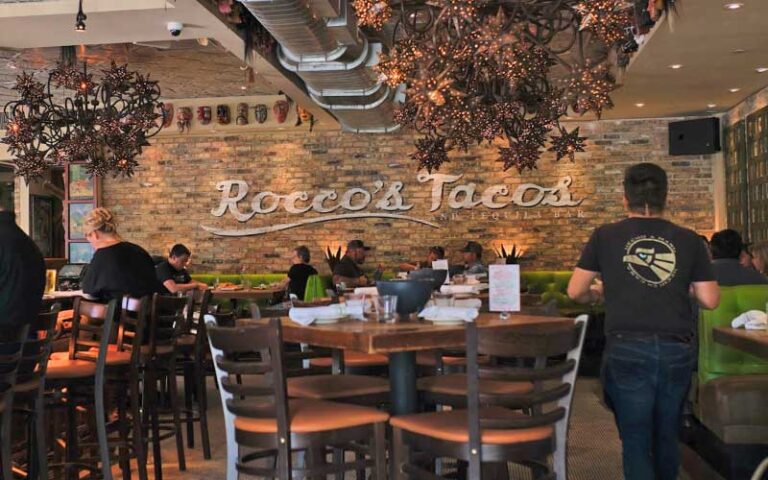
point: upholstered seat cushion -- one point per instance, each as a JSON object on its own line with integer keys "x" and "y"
{"x": 61, "y": 367}
{"x": 734, "y": 408}
{"x": 308, "y": 416}
{"x": 456, "y": 384}
{"x": 452, "y": 426}
{"x": 353, "y": 359}
{"x": 330, "y": 387}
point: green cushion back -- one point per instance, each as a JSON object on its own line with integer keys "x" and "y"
{"x": 316, "y": 285}
{"x": 255, "y": 278}
{"x": 716, "y": 360}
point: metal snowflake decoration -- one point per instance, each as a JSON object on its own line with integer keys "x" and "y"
{"x": 610, "y": 20}
{"x": 522, "y": 156}
{"x": 372, "y": 13}
{"x": 430, "y": 153}
{"x": 567, "y": 144}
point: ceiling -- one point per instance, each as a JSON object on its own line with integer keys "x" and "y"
{"x": 702, "y": 38}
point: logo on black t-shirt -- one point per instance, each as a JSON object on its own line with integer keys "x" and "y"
{"x": 651, "y": 260}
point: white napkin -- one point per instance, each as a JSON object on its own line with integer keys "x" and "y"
{"x": 307, "y": 315}
{"x": 367, "y": 290}
{"x": 462, "y": 303}
{"x": 751, "y": 320}
{"x": 459, "y": 289}
{"x": 449, "y": 313}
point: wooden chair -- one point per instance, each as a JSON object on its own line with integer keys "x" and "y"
{"x": 523, "y": 425}
{"x": 78, "y": 377}
{"x": 30, "y": 388}
{"x": 262, "y": 418}
{"x": 11, "y": 347}
{"x": 193, "y": 363}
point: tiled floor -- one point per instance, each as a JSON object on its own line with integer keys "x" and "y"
{"x": 594, "y": 446}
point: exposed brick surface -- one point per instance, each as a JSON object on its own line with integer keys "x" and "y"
{"x": 172, "y": 195}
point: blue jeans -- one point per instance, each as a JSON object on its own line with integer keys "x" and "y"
{"x": 646, "y": 380}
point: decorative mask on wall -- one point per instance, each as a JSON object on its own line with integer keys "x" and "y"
{"x": 222, "y": 114}
{"x": 184, "y": 119}
{"x": 280, "y": 109}
{"x": 242, "y": 114}
{"x": 167, "y": 115}
{"x": 260, "y": 112}
{"x": 204, "y": 115}
{"x": 304, "y": 114}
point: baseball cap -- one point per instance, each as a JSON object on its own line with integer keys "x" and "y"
{"x": 354, "y": 244}
{"x": 473, "y": 247}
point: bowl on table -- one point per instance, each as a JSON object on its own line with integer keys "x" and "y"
{"x": 411, "y": 295}
{"x": 437, "y": 277}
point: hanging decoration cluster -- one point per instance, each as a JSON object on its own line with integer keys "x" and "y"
{"x": 481, "y": 71}
{"x": 105, "y": 123}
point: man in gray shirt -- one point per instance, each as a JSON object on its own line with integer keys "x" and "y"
{"x": 727, "y": 247}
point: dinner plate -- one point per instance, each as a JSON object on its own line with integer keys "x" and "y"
{"x": 330, "y": 320}
{"x": 445, "y": 321}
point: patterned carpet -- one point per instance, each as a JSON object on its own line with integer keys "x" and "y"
{"x": 594, "y": 446}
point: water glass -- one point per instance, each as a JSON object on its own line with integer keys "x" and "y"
{"x": 386, "y": 308}
{"x": 255, "y": 312}
{"x": 216, "y": 283}
{"x": 443, "y": 299}
{"x": 50, "y": 281}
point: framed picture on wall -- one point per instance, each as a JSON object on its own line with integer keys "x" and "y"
{"x": 80, "y": 252}
{"x": 80, "y": 185}
{"x": 41, "y": 222}
{"x": 76, "y": 219}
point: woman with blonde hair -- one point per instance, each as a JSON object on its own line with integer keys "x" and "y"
{"x": 118, "y": 267}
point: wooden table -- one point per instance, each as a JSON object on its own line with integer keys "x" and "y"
{"x": 754, "y": 342}
{"x": 401, "y": 341}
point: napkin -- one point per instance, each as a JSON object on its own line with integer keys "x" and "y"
{"x": 751, "y": 320}
{"x": 306, "y": 316}
{"x": 459, "y": 289}
{"x": 367, "y": 290}
{"x": 449, "y": 313}
{"x": 462, "y": 302}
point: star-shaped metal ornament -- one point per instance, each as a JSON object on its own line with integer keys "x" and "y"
{"x": 567, "y": 144}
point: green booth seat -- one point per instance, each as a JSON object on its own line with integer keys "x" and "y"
{"x": 256, "y": 279}
{"x": 551, "y": 285}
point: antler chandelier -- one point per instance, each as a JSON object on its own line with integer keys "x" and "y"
{"x": 502, "y": 71}
{"x": 105, "y": 123}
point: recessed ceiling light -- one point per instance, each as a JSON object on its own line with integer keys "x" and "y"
{"x": 675, "y": 66}
{"x": 733, "y": 90}
{"x": 639, "y": 105}
{"x": 761, "y": 69}
{"x": 243, "y": 87}
{"x": 739, "y": 50}
{"x": 733, "y": 5}
{"x": 711, "y": 105}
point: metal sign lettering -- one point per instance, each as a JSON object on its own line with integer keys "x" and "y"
{"x": 388, "y": 202}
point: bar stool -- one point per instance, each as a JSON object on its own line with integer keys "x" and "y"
{"x": 11, "y": 346}
{"x": 30, "y": 388}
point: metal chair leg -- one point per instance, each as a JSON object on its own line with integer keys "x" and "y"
{"x": 101, "y": 429}
{"x": 379, "y": 451}
{"x": 202, "y": 409}
{"x": 174, "y": 394}
{"x": 5, "y": 438}
{"x": 41, "y": 450}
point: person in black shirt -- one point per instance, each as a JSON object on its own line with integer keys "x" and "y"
{"x": 434, "y": 253}
{"x": 118, "y": 268}
{"x": 649, "y": 268}
{"x": 22, "y": 275}
{"x": 727, "y": 248}
{"x": 299, "y": 272}
{"x": 348, "y": 269}
{"x": 172, "y": 272}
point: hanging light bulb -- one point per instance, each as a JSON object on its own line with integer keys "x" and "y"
{"x": 80, "y": 19}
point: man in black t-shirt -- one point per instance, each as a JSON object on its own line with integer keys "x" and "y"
{"x": 649, "y": 268}
{"x": 299, "y": 272}
{"x": 172, "y": 272}
{"x": 348, "y": 269}
{"x": 22, "y": 275}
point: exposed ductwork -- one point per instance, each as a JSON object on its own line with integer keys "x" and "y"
{"x": 320, "y": 42}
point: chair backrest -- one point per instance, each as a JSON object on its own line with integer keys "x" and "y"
{"x": 92, "y": 327}
{"x": 11, "y": 348}
{"x": 254, "y": 385}
{"x": 197, "y": 303}
{"x": 37, "y": 348}
{"x": 316, "y": 286}
{"x": 166, "y": 318}
{"x": 716, "y": 360}
{"x": 132, "y": 327}
{"x": 544, "y": 354}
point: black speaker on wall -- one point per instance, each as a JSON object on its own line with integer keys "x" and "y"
{"x": 694, "y": 137}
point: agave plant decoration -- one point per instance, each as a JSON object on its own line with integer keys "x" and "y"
{"x": 513, "y": 257}
{"x": 332, "y": 258}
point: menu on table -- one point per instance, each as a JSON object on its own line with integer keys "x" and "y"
{"x": 504, "y": 288}
{"x": 442, "y": 265}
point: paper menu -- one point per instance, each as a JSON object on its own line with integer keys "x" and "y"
{"x": 441, "y": 265}
{"x": 504, "y": 288}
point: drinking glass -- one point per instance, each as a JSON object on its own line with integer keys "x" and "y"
{"x": 50, "y": 281}
{"x": 443, "y": 299}
{"x": 255, "y": 312}
{"x": 386, "y": 308}
{"x": 216, "y": 283}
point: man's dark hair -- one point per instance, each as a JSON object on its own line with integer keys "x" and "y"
{"x": 439, "y": 251}
{"x": 303, "y": 253}
{"x": 727, "y": 244}
{"x": 179, "y": 250}
{"x": 645, "y": 186}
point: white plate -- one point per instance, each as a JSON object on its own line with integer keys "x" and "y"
{"x": 330, "y": 320}
{"x": 445, "y": 321}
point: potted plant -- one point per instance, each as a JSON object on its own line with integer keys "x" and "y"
{"x": 332, "y": 258}
{"x": 513, "y": 257}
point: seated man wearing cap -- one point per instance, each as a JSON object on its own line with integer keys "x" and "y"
{"x": 348, "y": 269}
{"x": 727, "y": 248}
{"x": 473, "y": 254}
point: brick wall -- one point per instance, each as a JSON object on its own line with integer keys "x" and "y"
{"x": 172, "y": 195}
